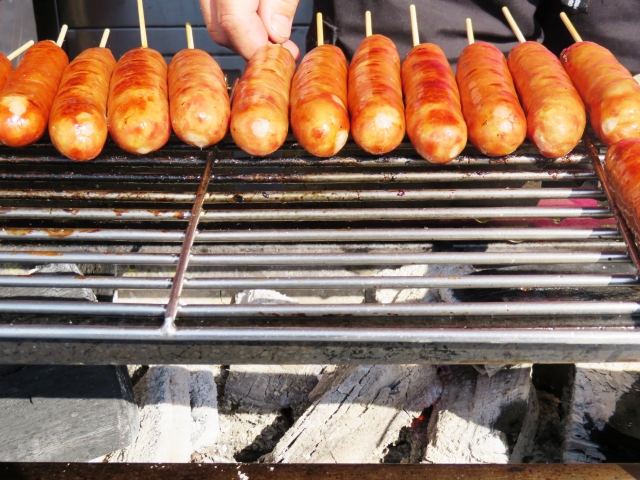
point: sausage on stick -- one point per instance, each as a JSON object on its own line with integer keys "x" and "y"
{"x": 610, "y": 93}
{"x": 497, "y": 125}
{"x": 260, "y": 110}
{"x": 319, "y": 115}
{"x": 6, "y": 68}
{"x": 198, "y": 96}
{"x": 26, "y": 99}
{"x": 78, "y": 120}
{"x": 556, "y": 117}
{"x": 435, "y": 123}
{"x": 138, "y": 105}
{"x": 378, "y": 120}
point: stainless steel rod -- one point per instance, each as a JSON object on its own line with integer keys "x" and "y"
{"x": 449, "y": 336}
{"x": 310, "y": 235}
{"x": 551, "y": 308}
{"x": 310, "y": 196}
{"x": 246, "y": 283}
{"x": 405, "y": 177}
{"x": 326, "y": 259}
{"x": 125, "y": 214}
{"x": 369, "y": 214}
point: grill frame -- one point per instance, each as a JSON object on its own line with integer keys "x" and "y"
{"x": 544, "y": 331}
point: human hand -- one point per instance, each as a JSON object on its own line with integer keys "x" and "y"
{"x": 246, "y": 25}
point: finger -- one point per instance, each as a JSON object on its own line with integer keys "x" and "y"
{"x": 293, "y": 48}
{"x": 210, "y": 14}
{"x": 239, "y": 21}
{"x": 277, "y": 16}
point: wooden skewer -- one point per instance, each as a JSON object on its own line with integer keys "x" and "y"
{"x": 513, "y": 25}
{"x": 414, "y": 25}
{"x": 320, "y": 28}
{"x": 367, "y": 23}
{"x": 63, "y": 33}
{"x": 190, "y": 44}
{"x": 23, "y": 48}
{"x": 105, "y": 38}
{"x": 143, "y": 28}
{"x": 470, "y": 32}
{"x": 572, "y": 30}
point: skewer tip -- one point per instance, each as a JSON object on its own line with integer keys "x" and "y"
{"x": 320, "y": 28}
{"x": 190, "y": 43}
{"x": 63, "y": 33}
{"x": 20, "y": 50}
{"x": 105, "y": 38}
{"x": 414, "y": 25}
{"x": 572, "y": 30}
{"x": 470, "y": 36}
{"x": 367, "y": 23}
{"x": 143, "y": 28}
{"x": 513, "y": 25}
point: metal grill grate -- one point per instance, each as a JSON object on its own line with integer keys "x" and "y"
{"x": 553, "y": 278}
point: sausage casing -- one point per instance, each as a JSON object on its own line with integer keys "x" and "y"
{"x": 138, "y": 106}
{"x": 378, "y": 122}
{"x": 610, "y": 93}
{"x": 78, "y": 120}
{"x": 496, "y": 122}
{"x": 435, "y": 123}
{"x": 260, "y": 110}
{"x": 622, "y": 168}
{"x": 27, "y": 97}
{"x": 556, "y": 116}
{"x": 319, "y": 115}
{"x": 6, "y": 69}
{"x": 198, "y": 98}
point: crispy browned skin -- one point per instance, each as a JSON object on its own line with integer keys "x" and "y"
{"x": 622, "y": 167}
{"x": 319, "y": 115}
{"x": 6, "y": 68}
{"x": 138, "y": 107}
{"x": 26, "y": 99}
{"x": 556, "y": 116}
{"x": 375, "y": 96}
{"x": 78, "y": 120}
{"x": 608, "y": 90}
{"x": 435, "y": 123}
{"x": 198, "y": 98}
{"x": 260, "y": 111}
{"x": 497, "y": 125}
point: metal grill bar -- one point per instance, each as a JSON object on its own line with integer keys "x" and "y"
{"x": 551, "y": 309}
{"x": 324, "y": 259}
{"x": 310, "y": 235}
{"x": 310, "y": 196}
{"x": 479, "y": 281}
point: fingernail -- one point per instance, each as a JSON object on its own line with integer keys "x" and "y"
{"x": 281, "y": 25}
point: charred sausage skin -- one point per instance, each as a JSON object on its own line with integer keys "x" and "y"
{"x": 376, "y": 106}
{"x": 610, "y": 93}
{"x": 435, "y": 123}
{"x": 319, "y": 115}
{"x": 78, "y": 120}
{"x": 260, "y": 110}
{"x": 27, "y": 97}
{"x": 495, "y": 120}
{"x": 138, "y": 106}
{"x": 556, "y": 116}
{"x": 198, "y": 98}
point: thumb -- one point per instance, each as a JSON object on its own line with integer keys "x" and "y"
{"x": 277, "y": 16}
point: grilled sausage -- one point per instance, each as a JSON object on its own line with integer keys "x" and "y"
{"x": 497, "y": 125}
{"x": 556, "y": 116}
{"x": 198, "y": 98}
{"x": 434, "y": 117}
{"x": 260, "y": 110}
{"x": 622, "y": 168}
{"x": 138, "y": 106}
{"x": 375, "y": 96}
{"x": 78, "y": 120}
{"x": 6, "y": 68}
{"x": 26, "y": 99}
{"x": 319, "y": 115}
{"x": 608, "y": 90}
